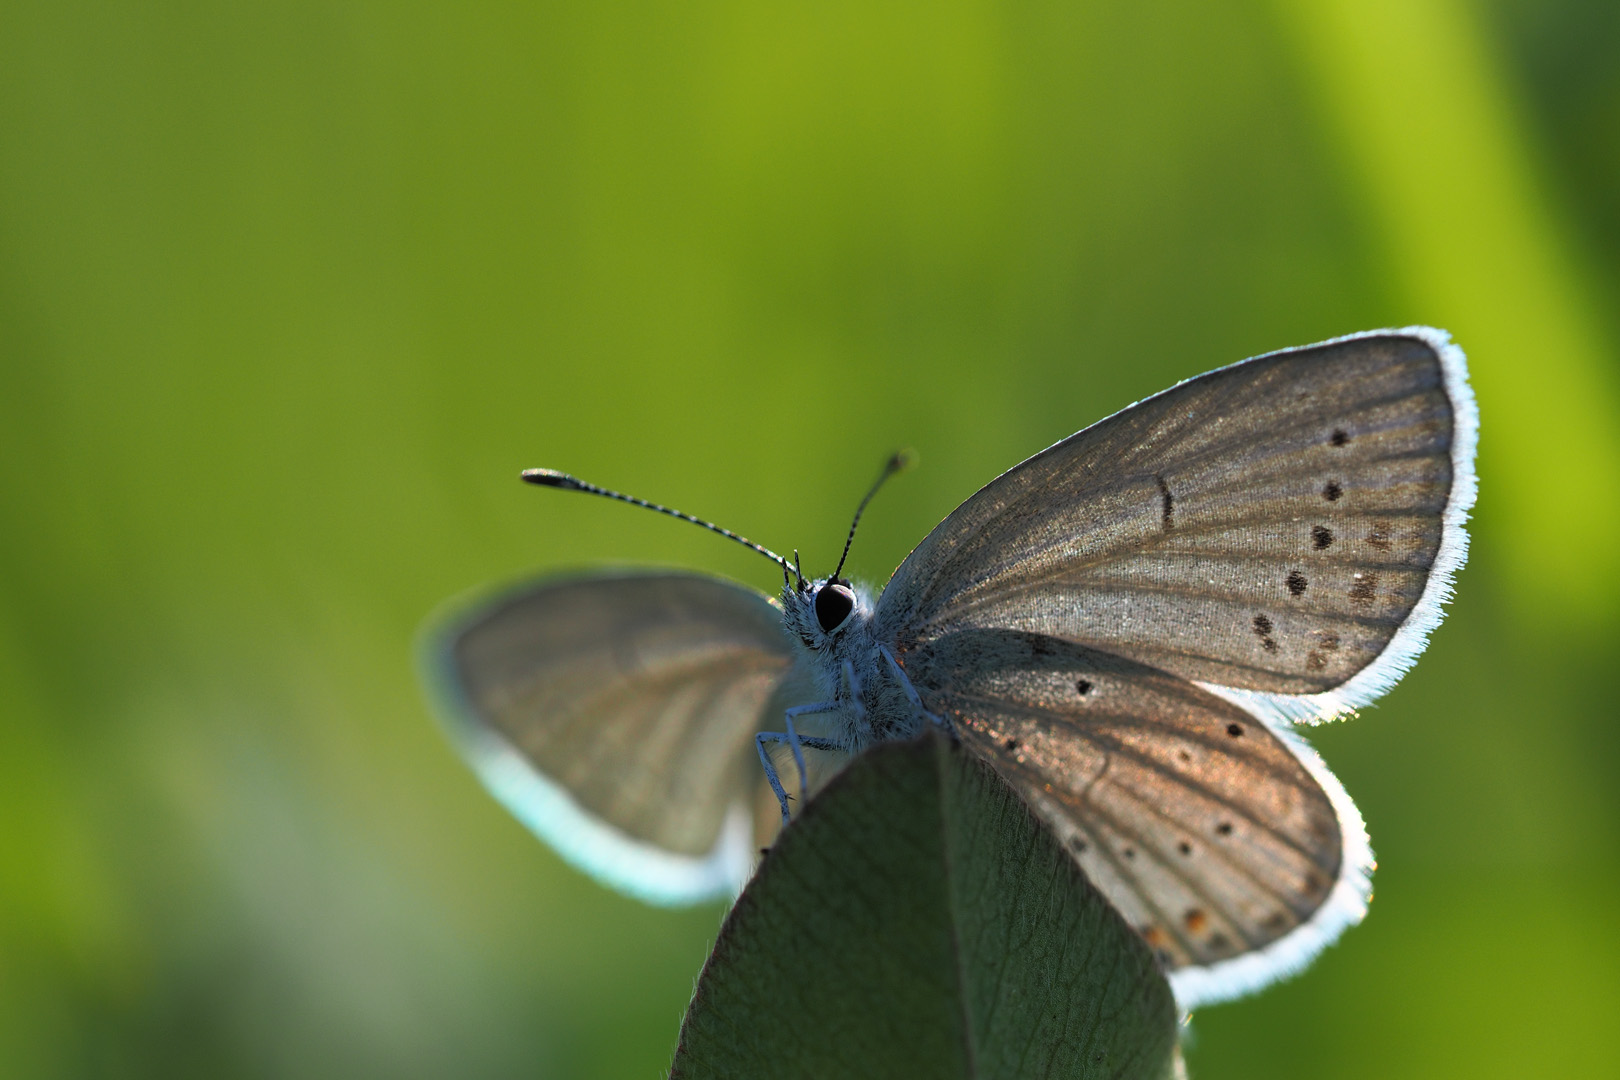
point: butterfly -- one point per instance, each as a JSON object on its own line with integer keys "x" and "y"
{"x": 1126, "y": 627}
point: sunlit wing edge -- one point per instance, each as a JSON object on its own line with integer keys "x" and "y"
{"x": 634, "y": 867}
{"x": 1345, "y": 906}
{"x": 1408, "y": 643}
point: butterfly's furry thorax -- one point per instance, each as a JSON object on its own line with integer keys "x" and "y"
{"x": 830, "y": 623}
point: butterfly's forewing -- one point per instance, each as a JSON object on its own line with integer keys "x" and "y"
{"x": 1235, "y": 855}
{"x": 615, "y": 716}
{"x": 1286, "y": 526}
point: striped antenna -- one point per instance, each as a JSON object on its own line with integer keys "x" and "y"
{"x": 554, "y": 479}
{"x": 899, "y": 461}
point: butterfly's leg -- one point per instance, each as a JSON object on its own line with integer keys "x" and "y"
{"x": 795, "y": 741}
{"x": 911, "y": 691}
{"x": 770, "y": 770}
{"x": 796, "y": 744}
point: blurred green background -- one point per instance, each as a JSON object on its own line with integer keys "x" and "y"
{"x": 290, "y": 292}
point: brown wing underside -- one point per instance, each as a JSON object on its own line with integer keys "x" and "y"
{"x": 1196, "y": 822}
{"x": 639, "y": 694}
{"x": 1267, "y": 526}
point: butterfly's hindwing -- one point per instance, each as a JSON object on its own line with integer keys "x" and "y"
{"x": 1206, "y": 830}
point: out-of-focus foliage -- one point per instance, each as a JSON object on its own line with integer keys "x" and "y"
{"x": 289, "y": 293}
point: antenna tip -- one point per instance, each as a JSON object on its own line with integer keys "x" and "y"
{"x": 901, "y": 461}
{"x": 550, "y": 478}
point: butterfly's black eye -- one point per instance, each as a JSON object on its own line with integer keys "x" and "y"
{"x": 833, "y": 605}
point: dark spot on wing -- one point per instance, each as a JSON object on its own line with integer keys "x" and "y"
{"x": 1154, "y": 936}
{"x": 1297, "y": 583}
{"x": 1326, "y": 641}
{"x": 1130, "y": 853}
{"x": 1262, "y": 629}
{"x": 1079, "y": 845}
{"x": 1332, "y": 492}
{"x": 1196, "y": 920}
{"x": 1365, "y": 587}
{"x": 1379, "y": 537}
{"x": 1321, "y": 537}
{"x": 1235, "y": 730}
{"x": 1167, "y": 499}
{"x": 1184, "y": 847}
{"x": 1275, "y": 921}
{"x": 1219, "y": 942}
{"x": 1011, "y": 744}
{"x": 1224, "y": 828}
{"x": 1083, "y": 687}
{"x": 1184, "y": 757}
{"x": 1314, "y": 883}
{"x": 1340, "y": 437}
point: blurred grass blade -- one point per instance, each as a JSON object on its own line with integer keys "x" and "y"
{"x": 917, "y": 921}
{"x": 1426, "y": 118}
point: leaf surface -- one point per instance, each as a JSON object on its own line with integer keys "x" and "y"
{"x": 917, "y": 920}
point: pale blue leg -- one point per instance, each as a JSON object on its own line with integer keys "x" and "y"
{"x": 795, "y": 742}
{"x": 911, "y": 691}
{"x": 770, "y": 770}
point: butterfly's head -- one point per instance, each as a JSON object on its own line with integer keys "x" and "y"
{"x": 821, "y": 611}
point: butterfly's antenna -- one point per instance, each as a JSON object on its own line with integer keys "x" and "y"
{"x": 902, "y": 459}
{"x": 555, "y": 479}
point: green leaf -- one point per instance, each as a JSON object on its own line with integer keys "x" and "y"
{"x": 917, "y": 920}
